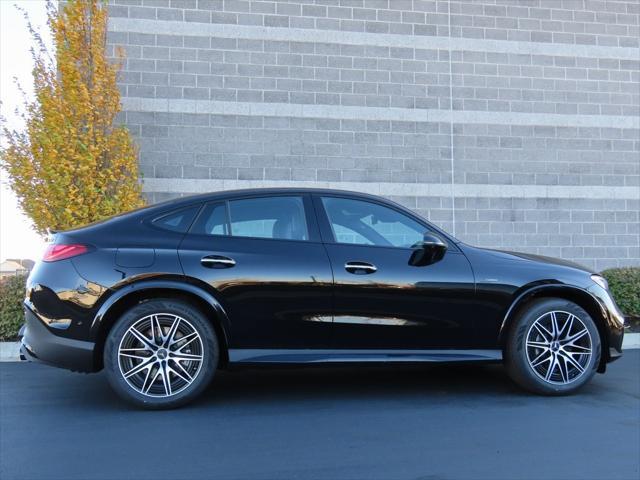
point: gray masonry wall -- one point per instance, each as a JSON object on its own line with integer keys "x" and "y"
{"x": 511, "y": 123}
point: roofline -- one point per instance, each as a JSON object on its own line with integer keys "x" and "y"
{"x": 180, "y": 202}
{"x": 279, "y": 190}
{"x": 224, "y": 194}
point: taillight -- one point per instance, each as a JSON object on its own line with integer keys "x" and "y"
{"x": 53, "y": 253}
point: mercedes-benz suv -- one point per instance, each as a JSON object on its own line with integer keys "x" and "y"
{"x": 164, "y": 296}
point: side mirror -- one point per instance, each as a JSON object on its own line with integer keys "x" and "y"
{"x": 429, "y": 251}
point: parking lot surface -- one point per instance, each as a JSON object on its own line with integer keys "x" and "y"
{"x": 375, "y": 422}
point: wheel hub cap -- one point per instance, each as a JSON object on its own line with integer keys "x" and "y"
{"x": 559, "y": 347}
{"x": 160, "y": 355}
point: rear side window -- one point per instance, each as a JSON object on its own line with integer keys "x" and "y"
{"x": 212, "y": 221}
{"x": 178, "y": 221}
{"x": 281, "y": 218}
{"x": 274, "y": 217}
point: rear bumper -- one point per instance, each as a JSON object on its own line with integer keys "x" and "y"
{"x": 41, "y": 345}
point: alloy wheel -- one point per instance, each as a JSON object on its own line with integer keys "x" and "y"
{"x": 160, "y": 355}
{"x": 559, "y": 347}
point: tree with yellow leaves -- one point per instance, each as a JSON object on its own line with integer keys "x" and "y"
{"x": 71, "y": 164}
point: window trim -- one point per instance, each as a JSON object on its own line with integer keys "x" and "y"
{"x": 307, "y": 206}
{"x": 201, "y": 213}
{"x": 328, "y": 237}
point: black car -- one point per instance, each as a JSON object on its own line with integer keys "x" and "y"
{"x": 164, "y": 296}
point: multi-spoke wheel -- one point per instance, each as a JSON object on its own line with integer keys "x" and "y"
{"x": 161, "y": 354}
{"x": 554, "y": 347}
{"x": 559, "y": 347}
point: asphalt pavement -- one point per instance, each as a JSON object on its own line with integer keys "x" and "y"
{"x": 376, "y": 422}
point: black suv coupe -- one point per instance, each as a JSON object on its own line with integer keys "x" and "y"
{"x": 164, "y": 296}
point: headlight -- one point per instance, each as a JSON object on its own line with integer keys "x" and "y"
{"x": 600, "y": 280}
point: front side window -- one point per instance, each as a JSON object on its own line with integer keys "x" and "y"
{"x": 345, "y": 234}
{"x": 365, "y": 223}
{"x": 280, "y": 218}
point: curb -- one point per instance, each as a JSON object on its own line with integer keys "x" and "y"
{"x": 631, "y": 340}
{"x": 10, "y": 351}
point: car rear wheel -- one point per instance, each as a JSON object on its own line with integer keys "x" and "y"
{"x": 161, "y": 354}
{"x": 553, "y": 348}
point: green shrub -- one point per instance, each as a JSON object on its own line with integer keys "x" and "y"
{"x": 12, "y": 291}
{"x": 624, "y": 284}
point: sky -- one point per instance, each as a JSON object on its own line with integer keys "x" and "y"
{"x": 17, "y": 238}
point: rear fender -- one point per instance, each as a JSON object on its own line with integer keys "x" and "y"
{"x": 161, "y": 284}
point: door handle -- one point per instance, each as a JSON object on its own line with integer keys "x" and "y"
{"x": 360, "y": 268}
{"x": 217, "y": 261}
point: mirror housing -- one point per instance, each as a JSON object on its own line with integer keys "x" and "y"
{"x": 429, "y": 251}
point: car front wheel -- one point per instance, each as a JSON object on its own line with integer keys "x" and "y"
{"x": 161, "y": 354}
{"x": 554, "y": 347}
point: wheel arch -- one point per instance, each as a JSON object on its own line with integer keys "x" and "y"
{"x": 574, "y": 294}
{"x": 138, "y": 292}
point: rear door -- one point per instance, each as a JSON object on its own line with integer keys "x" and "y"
{"x": 264, "y": 258}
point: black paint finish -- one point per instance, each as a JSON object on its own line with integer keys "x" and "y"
{"x": 401, "y": 306}
{"x": 286, "y": 294}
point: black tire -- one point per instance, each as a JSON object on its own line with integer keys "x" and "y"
{"x": 207, "y": 348}
{"x": 516, "y": 355}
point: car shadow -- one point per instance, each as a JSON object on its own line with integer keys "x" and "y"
{"x": 353, "y": 383}
{"x": 316, "y": 386}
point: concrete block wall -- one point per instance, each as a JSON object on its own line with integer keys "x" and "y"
{"x": 512, "y": 123}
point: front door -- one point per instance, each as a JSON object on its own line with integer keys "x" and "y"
{"x": 263, "y": 258}
{"x": 380, "y": 300}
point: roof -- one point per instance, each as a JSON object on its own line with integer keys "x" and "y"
{"x": 25, "y": 262}
{"x": 224, "y": 194}
{"x": 180, "y": 202}
{"x": 265, "y": 191}
{"x": 9, "y": 266}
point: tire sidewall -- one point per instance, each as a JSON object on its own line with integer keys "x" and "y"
{"x": 516, "y": 354}
{"x": 184, "y": 310}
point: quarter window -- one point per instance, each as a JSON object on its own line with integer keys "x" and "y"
{"x": 365, "y": 223}
{"x": 178, "y": 221}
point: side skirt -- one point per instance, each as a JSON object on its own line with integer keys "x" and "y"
{"x": 257, "y": 355}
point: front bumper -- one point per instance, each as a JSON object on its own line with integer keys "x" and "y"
{"x": 614, "y": 323}
{"x": 40, "y": 344}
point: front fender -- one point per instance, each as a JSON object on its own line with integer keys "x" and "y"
{"x": 609, "y": 337}
{"x": 550, "y": 290}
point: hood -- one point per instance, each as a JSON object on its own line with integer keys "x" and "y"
{"x": 508, "y": 255}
